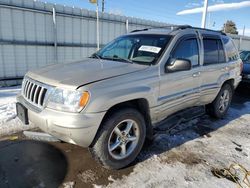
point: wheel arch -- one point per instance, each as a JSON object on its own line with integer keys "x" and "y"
{"x": 230, "y": 82}
{"x": 140, "y": 104}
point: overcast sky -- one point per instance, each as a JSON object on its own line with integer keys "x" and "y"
{"x": 176, "y": 11}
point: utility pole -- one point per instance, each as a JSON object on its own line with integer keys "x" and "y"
{"x": 243, "y": 34}
{"x": 97, "y": 23}
{"x": 103, "y": 4}
{"x": 209, "y": 20}
{"x": 204, "y": 15}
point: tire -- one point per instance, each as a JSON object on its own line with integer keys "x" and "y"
{"x": 110, "y": 143}
{"x": 216, "y": 109}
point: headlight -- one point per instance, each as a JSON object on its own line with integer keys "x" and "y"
{"x": 66, "y": 100}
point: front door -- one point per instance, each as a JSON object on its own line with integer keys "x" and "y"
{"x": 180, "y": 90}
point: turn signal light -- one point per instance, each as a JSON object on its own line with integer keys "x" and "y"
{"x": 84, "y": 99}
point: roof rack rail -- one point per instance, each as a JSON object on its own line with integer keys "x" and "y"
{"x": 171, "y": 27}
{"x": 137, "y": 30}
{"x": 178, "y": 27}
{"x": 221, "y": 32}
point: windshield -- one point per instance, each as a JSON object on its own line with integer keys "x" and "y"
{"x": 245, "y": 55}
{"x": 142, "y": 49}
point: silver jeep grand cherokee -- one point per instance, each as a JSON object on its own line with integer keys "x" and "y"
{"x": 111, "y": 101}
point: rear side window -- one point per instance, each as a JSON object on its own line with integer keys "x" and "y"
{"x": 211, "y": 54}
{"x": 187, "y": 49}
{"x": 231, "y": 51}
{"x": 213, "y": 51}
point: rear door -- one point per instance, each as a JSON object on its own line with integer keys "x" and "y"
{"x": 214, "y": 67}
{"x": 179, "y": 90}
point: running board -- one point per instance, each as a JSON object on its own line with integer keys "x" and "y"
{"x": 180, "y": 117}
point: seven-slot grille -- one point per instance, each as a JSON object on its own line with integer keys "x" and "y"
{"x": 34, "y": 92}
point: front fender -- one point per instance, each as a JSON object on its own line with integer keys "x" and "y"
{"x": 107, "y": 99}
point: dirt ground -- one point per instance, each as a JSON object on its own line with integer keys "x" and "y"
{"x": 26, "y": 163}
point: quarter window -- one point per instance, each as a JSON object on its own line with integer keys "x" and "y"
{"x": 231, "y": 50}
{"x": 187, "y": 49}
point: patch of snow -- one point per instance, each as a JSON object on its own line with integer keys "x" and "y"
{"x": 7, "y": 112}
{"x": 9, "y": 123}
{"x": 97, "y": 186}
{"x": 7, "y": 103}
{"x": 110, "y": 178}
{"x": 70, "y": 184}
{"x": 87, "y": 176}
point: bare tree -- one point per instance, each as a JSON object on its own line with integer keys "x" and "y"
{"x": 230, "y": 27}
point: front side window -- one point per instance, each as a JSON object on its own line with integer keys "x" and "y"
{"x": 141, "y": 49}
{"x": 187, "y": 49}
{"x": 213, "y": 51}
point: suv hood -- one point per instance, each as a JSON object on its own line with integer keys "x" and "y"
{"x": 82, "y": 72}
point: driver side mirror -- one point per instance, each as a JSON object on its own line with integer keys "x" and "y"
{"x": 179, "y": 64}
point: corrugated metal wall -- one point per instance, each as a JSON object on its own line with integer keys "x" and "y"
{"x": 241, "y": 42}
{"x": 30, "y": 38}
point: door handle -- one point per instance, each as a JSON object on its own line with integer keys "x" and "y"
{"x": 197, "y": 74}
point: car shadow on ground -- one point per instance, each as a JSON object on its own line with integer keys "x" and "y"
{"x": 202, "y": 126}
{"x": 27, "y": 163}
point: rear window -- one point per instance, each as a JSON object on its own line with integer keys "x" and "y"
{"x": 213, "y": 51}
{"x": 231, "y": 51}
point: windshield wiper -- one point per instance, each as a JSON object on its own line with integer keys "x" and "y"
{"x": 115, "y": 57}
{"x": 95, "y": 55}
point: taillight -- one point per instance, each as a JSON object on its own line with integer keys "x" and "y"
{"x": 241, "y": 66}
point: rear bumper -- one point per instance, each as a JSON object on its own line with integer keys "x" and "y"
{"x": 74, "y": 128}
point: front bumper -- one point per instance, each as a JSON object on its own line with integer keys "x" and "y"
{"x": 74, "y": 128}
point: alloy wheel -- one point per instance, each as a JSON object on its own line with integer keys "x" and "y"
{"x": 224, "y": 101}
{"x": 123, "y": 139}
